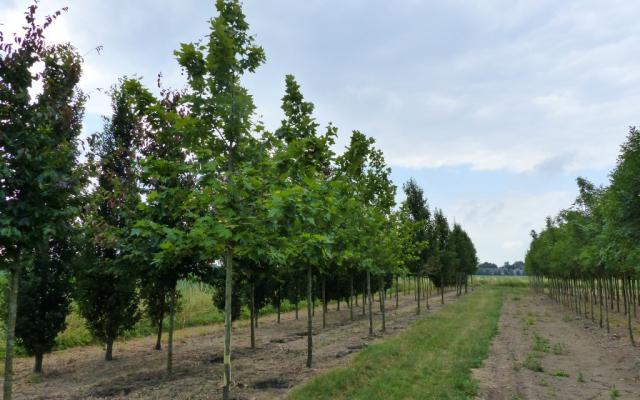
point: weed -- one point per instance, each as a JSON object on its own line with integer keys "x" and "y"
{"x": 567, "y": 318}
{"x": 580, "y": 377}
{"x": 614, "y": 393}
{"x": 559, "y": 349}
{"x": 540, "y": 343}
{"x": 560, "y": 374}
{"x": 532, "y": 362}
{"x": 543, "y": 382}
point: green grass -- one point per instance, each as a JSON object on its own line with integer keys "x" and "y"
{"x": 430, "y": 360}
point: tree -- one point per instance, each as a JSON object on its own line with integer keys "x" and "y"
{"x": 45, "y": 297}
{"x": 106, "y": 282}
{"x": 223, "y": 109}
{"x": 39, "y": 174}
{"x": 416, "y": 210}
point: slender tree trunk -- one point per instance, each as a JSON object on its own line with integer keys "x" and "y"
{"x": 626, "y": 284}
{"x": 600, "y": 298}
{"x": 252, "y": 312}
{"x": 429, "y": 286}
{"x": 370, "y": 300}
{"x": 364, "y": 298}
{"x": 309, "y": 317}
{"x": 296, "y": 307}
{"x": 278, "y": 308}
{"x": 611, "y": 297}
{"x": 382, "y": 310}
{"x": 442, "y": 288}
{"x": 108, "y": 355}
{"x": 10, "y": 332}
{"x": 607, "y": 291}
{"x": 228, "y": 290}
{"x": 172, "y": 316}
{"x": 418, "y": 292}
{"x": 617, "y": 289}
{"x": 38, "y": 366}
{"x": 351, "y": 297}
{"x": 324, "y": 304}
{"x": 397, "y": 291}
{"x": 159, "y": 336}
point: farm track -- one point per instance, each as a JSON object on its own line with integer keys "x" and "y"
{"x": 268, "y": 372}
{"x": 598, "y": 365}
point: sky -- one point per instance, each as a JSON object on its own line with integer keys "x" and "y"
{"x": 494, "y": 107}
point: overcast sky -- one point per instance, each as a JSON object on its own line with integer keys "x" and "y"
{"x": 493, "y": 106}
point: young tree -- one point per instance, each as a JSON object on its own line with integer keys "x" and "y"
{"x": 416, "y": 209}
{"x": 45, "y": 296}
{"x": 223, "y": 109}
{"x": 302, "y": 199}
{"x": 106, "y": 282}
{"x": 39, "y": 151}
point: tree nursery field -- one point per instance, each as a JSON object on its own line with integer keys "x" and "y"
{"x": 186, "y": 251}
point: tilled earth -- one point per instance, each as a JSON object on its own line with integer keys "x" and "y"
{"x": 268, "y": 372}
{"x": 543, "y": 351}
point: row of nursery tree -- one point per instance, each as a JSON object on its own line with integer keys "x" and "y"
{"x": 187, "y": 185}
{"x": 588, "y": 256}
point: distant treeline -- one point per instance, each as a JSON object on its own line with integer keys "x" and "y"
{"x": 487, "y": 268}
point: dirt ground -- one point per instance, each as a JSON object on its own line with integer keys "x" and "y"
{"x": 268, "y": 372}
{"x": 578, "y": 360}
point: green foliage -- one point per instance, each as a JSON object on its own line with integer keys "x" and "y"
{"x": 106, "y": 287}
{"x": 45, "y": 296}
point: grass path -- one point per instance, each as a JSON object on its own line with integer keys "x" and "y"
{"x": 431, "y": 360}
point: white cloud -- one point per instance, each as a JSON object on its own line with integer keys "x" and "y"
{"x": 500, "y": 227}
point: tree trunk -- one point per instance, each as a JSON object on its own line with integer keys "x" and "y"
{"x": 418, "y": 292}
{"x": 324, "y": 304}
{"x": 228, "y": 290}
{"x": 429, "y": 286}
{"x": 397, "y": 291}
{"x": 607, "y": 288}
{"x": 600, "y": 299}
{"x": 351, "y": 297}
{"x": 309, "y": 317}
{"x": 617, "y": 289}
{"x": 296, "y": 306}
{"x": 108, "y": 355}
{"x": 364, "y": 298}
{"x": 252, "y": 312}
{"x": 626, "y": 285}
{"x": 442, "y": 288}
{"x": 38, "y": 366}
{"x": 370, "y": 300}
{"x": 172, "y": 316}
{"x": 382, "y": 296}
{"x": 278, "y": 307}
{"x": 159, "y": 336}
{"x": 10, "y": 332}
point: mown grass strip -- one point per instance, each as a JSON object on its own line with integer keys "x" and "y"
{"x": 431, "y": 360}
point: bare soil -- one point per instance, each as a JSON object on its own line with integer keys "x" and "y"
{"x": 578, "y": 360}
{"x": 268, "y": 372}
